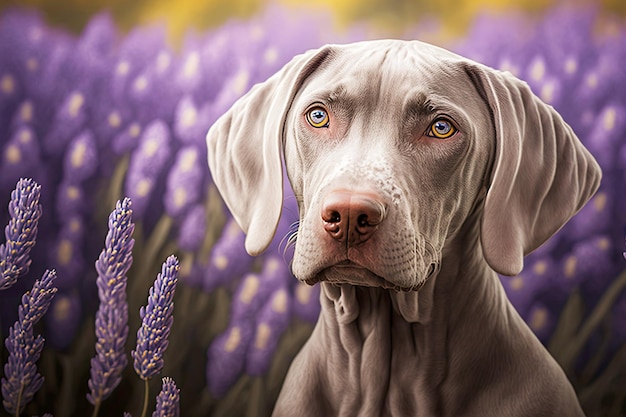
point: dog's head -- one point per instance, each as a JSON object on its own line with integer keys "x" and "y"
{"x": 389, "y": 147}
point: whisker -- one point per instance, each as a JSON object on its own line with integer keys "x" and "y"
{"x": 289, "y": 240}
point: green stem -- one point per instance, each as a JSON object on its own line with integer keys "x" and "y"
{"x": 145, "y": 398}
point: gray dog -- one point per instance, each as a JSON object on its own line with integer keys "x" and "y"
{"x": 418, "y": 173}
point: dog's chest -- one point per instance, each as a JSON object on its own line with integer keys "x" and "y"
{"x": 380, "y": 364}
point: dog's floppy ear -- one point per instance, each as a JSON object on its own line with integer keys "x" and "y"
{"x": 245, "y": 150}
{"x": 541, "y": 175}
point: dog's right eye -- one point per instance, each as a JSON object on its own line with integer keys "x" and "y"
{"x": 441, "y": 128}
{"x": 317, "y": 117}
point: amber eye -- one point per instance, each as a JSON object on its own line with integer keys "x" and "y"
{"x": 441, "y": 129}
{"x": 317, "y": 116}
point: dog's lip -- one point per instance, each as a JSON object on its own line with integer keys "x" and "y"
{"x": 367, "y": 277}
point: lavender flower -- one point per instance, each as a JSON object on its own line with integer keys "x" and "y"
{"x": 306, "y": 305}
{"x": 134, "y": 54}
{"x": 226, "y": 357}
{"x": 20, "y": 155}
{"x": 24, "y": 115}
{"x": 191, "y": 122}
{"x": 67, "y": 255}
{"x": 607, "y": 133}
{"x": 229, "y": 260}
{"x": 156, "y": 322}
{"x": 21, "y": 380}
{"x": 112, "y": 315}
{"x": 184, "y": 182}
{"x": 192, "y": 230}
{"x": 541, "y": 321}
{"x": 594, "y": 265}
{"x": 167, "y": 400}
{"x": 63, "y": 320}
{"x": 255, "y": 289}
{"x": 151, "y": 92}
{"x": 69, "y": 120}
{"x": 20, "y": 233}
{"x": 127, "y": 139}
{"x": 594, "y": 217}
{"x": 190, "y": 73}
{"x": 524, "y": 288}
{"x": 81, "y": 158}
{"x": 70, "y": 200}
{"x": 110, "y": 122}
{"x": 147, "y": 163}
{"x": 272, "y": 321}
{"x": 95, "y": 45}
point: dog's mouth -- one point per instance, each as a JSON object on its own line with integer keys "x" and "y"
{"x": 349, "y": 272}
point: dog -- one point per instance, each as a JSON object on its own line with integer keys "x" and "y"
{"x": 418, "y": 174}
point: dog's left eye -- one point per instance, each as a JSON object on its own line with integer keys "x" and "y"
{"x": 317, "y": 117}
{"x": 441, "y": 128}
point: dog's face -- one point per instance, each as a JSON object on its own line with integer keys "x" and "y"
{"x": 389, "y": 146}
{"x": 414, "y": 143}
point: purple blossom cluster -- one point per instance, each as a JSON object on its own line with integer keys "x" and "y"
{"x": 21, "y": 380}
{"x": 112, "y": 315}
{"x": 167, "y": 402}
{"x": 20, "y": 233}
{"x": 573, "y": 66}
{"x": 152, "y": 336}
{"x": 104, "y": 114}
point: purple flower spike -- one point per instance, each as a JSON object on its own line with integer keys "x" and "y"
{"x": 229, "y": 259}
{"x": 306, "y": 303}
{"x": 156, "y": 322}
{"x": 272, "y": 321}
{"x": 167, "y": 400}
{"x": 191, "y": 122}
{"x": 20, "y": 155}
{"x": 192, "y": 230}
{"x": 255, "y": 289}
{"x": 20, "y": 233}
{"x": 63, "y": 320}
{"x": 21, "y": 380}
{"x": 68, "y": 121}
{"x": 146, "y": 164}
{"x": 541, "y": 321}
{"x": 126, "y": 140}
{"x": 226, "y": 357}
{"x": 81, "y": 158}
{"x": 524, "y": 288}
{"x": 112, "y": 315}
{"x": 70, "y": 201}
{"x": 184, "y": 182}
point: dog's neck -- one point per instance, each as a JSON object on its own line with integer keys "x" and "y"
{"x": 374, "y": 335}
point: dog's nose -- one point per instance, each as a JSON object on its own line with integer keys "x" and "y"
{"x": 352, "y": 218}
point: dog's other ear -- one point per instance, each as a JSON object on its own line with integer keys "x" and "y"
{"x": 245, "y": 150}
{"x": 541, "y": 175}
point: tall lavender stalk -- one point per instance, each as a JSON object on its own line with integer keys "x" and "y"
{"x": 20, "y": 233}
{"x": 21, "y": 380}
{"x": 112, "y": 315}
{"x": 167, "y": 402}
{"x": 156, "y": 316}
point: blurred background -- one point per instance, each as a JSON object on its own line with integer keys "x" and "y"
{"x": 391, "y": 18}
{"x": 105, "y": 100}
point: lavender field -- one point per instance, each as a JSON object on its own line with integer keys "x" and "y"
{"x": 125, "y": 285}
